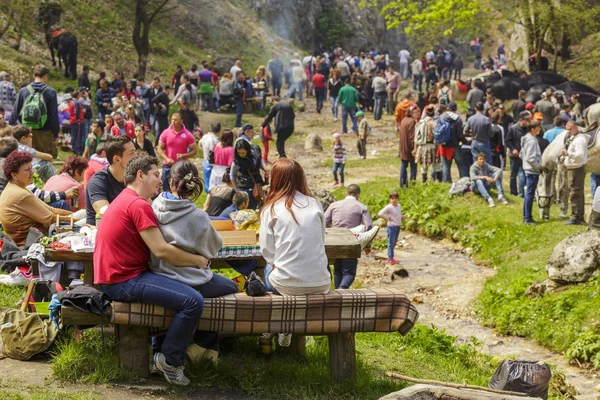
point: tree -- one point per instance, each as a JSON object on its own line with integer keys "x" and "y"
{"x": 146, "y": 12}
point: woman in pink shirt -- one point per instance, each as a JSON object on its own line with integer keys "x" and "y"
{"x": 222, "y": 157}
{"x": 71, "y": 175}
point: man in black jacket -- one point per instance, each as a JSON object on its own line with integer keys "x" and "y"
{"x": 284, "y": 122}
{"x": 160, "y": 107}
{"x": 84, "y": 80}
{"x": 513, "y": 143}
{"x": 45, "y": 139}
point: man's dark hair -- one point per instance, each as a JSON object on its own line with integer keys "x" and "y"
{"x": 216, "y": 127}
{"x": 21, "y": 131}
{"x": 115, "y": 146}
{"x": 40, "y": 71}
{"x": 100, "y": 148}
{"x": 481, "y": 155}
{"x": 534, "y": 124}
{"x": 142, "y": 162}
{"x": 240, "y": 198}
{"x": 479, "y": 106}
{"x": 353, "y": 190}
{"x": 86, "y": 68}
{"x": 8, "y": 144}
{"x": 558, "y": 121}
{"x": 101, "y": 124}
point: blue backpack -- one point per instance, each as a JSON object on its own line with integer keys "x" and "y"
{"x": 442, "y": 133}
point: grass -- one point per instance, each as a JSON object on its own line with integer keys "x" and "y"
{"x": 425, "y": 352}
{"x": 386, "y": 159}
{"x": 566, "y": 321}
{"x": 9, "y": 295}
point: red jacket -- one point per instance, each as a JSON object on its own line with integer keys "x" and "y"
{"x": 73, "y": 118}
{"x": 129, "y": 129}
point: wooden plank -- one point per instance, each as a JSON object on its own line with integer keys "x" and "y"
{"x": 73, "y": 316}
{"x": 342, "y": 356}
{"x": 88, "y": 272}
{"x": 133, "y": 349}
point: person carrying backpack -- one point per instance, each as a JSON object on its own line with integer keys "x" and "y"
{"x": 37, "y": 108}
{"x": 426, "y": 153}
{"x": 449, "y": 149}
{"x": 444, "y": 93}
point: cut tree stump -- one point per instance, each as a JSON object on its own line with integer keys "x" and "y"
{"x": 342, "y": 356}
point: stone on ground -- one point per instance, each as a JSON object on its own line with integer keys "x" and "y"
{"x": 432, "y": 392}
{"x": 576, "y": 258}
{"x": 313, "y": 142}
{"x": 324, "y": 197}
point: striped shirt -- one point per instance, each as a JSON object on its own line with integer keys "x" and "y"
{"x": 339, "y": 153}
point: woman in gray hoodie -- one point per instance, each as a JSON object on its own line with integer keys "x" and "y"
{"x": 188, "y": 227}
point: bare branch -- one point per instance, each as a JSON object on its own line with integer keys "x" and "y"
{"x": 158, "y": 10}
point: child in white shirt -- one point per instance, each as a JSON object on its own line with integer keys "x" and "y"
{"x": 393, "y": 214}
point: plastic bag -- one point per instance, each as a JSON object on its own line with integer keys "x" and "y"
{"x": 522, "y": 376}
{"x": 461, "y": 186}
{"x": 245, "y": 220}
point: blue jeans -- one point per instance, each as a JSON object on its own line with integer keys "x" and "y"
{"x": 392, "y": 232}
{"x": 463, "y": 160}
{"x": 516, "y": 171}
{"x": 320, "y": 94}
{"x": 62, "y": 204}
{"x": 482, "y": 187}
{"x": 334, "y": 106}
{"x": 380, "y": 98}
{"x": 352, "y": 112}
{"x": 268, "y": 269}
{"x": 166, "y": 176}
{"x": 531, "y": 183}
{"x": 344, "y": 271}
{"x": 218, "y": 286}
{"x": 481, "y": 147}
{"x": 418, "y": 82}
{"x": 295, "y": 89}
{"x": 340, "y": 167}
{"x": 594, "y": 182}
{"x": 206, "y": 171}
{"x": 404, "y": 173}
{"x": 239, "y": 110}
{"x": 151, "y": 288}
{"x": 77, "y": 139}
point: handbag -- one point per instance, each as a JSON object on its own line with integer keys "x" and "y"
{"x": 254, "y": 286}
{"x": 257, "y": 191}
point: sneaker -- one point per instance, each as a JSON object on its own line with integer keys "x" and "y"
{"x": 358, "y": 229}
{"x": 335, "y": 183}
{"x": 154, "y": 370}
{"x": 575, "y": 222}
{"x": 491, "y": 202}
{"x": 284, "y": 339}
{"x": 335, "y": 119}
{"x": 342, "y": 184}
{"x": 563, "y": 215}
{"x": 367, "y": 237}
{"x": 392, "y": 261}
{"x": 532, "y": 223}
{"x": 502, "y": 200}
{"x": 173, "y": 375}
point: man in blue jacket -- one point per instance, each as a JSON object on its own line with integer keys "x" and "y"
{"x": 45, "y": 138}
{"x": 104, "y": 97}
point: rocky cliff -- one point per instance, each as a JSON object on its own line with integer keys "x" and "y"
{"x": 296, "y": 20}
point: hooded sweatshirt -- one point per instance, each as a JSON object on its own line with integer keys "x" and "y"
{"x": 457, "y": 128}
{"x": 184, "y": 225}
{"x": 531, "y": 154}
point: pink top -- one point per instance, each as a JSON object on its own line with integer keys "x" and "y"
{"x": 176, "y": 142}
{"x": 223, "y": 155}
{"x": 62, "y": 183}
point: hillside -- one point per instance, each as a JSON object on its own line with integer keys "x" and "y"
{"x": 585, "y": 62}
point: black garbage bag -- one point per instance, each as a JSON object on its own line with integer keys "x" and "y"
{"x": 522, "y": 376}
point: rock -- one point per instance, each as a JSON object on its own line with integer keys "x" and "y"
{"x": 400, "y": 273}
{"x": 324, "y": 197}
{"x": 433, "y": 392}
{"x": 468, "y": 251}
{"x": 541, "y": 288}
{"x": 313, "y": 142}
{"x": 576, "y": 258}
{"x": 417, "y": 300}
{"x": 456, "y": 237}
{"x": 301, "y": 107}
{"x": 380, "y": 222}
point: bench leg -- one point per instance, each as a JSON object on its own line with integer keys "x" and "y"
{"x": 133, "y": 349}
{"x": 342, "y": 356}
{"x": 298, "y": 345}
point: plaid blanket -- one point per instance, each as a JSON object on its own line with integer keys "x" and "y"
{"x": 239, "y": 251}
{"x": 362, "y": 310}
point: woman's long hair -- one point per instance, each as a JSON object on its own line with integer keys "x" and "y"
{"x": 287, "y": 178}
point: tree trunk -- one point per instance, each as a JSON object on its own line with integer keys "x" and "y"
{"x": 565, "y": 52}
{"x": 17, "y": 44}
{"x": 142, "y": 64}
{"x": 140, "y": 36}
{"x": 9, "y": 19}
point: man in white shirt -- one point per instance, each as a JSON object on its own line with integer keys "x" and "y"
{"x": 404, "y": 57}
{"x": 237, "y": 67}
{"x": 574, "y": 157}
{"x": 208, "y": 143}
{"x": 417, "y": 72}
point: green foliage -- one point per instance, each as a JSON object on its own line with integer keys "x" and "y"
{"x": 586, "y": 348}
{"x": 331, "y": 29}
{"x": 9, "y": 295}
{"x": 93, "y": 360}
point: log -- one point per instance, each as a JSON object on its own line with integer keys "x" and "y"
{"x": 342, "y": 356}
{"x": 133, "y": 349}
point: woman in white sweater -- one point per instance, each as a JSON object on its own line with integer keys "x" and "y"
{"x": 292, "y": 236}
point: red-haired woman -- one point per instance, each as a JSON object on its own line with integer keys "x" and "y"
{"x": 71, "y": 176}
{"x": 292, "y": 236}
{"x": 19, "y": 208}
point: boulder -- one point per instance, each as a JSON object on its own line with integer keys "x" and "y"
{"x": 433, "y": 392}
{"x": 576, "y": 258}
{"x": 324, "y": 197}
{"x": 313, "y": 142}
{"x": 300, "y": 107}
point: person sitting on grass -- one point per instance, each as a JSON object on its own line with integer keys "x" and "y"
{"x": 180, "y": 221}
{"x": 240, "y": 202}
{"x": 122, "y": 256}
{"x": 42, "y": 162}
{"x": 392, "y": 213}
{"x": 483, "y": 175}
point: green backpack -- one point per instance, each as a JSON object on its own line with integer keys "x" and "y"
{"x": 34, "y": 113}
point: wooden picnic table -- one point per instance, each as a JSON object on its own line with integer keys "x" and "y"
{"x": 339, "y": 243}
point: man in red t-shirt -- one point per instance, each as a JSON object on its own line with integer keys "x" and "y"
{"x": 175, "y": 143}
{"x": 320, "y": 89}
{"x": 127, "y": 234}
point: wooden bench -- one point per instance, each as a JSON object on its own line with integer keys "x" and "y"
{"x": 338, "y": 314}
